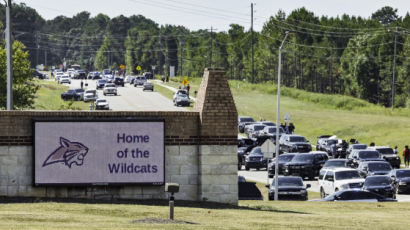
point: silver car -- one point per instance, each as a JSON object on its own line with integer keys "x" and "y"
{"x": 148, "y": 86}
{"x": 110, "y": 88}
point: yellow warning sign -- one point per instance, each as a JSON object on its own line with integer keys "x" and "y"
{"x": 185, "y": 82}
{"x": 122, "y": 66}
{"x": 138, "y": 68}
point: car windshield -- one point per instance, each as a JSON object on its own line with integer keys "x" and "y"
{"x": 403, "y": 173}
{"x": 379, "y": 166}
{"x": 246, "y": 119}
{"x": 286, "y": 181}
{"x": 286, "y": 158}
{"x": 102, "y": 81}
{"x": 297, "y": 139}
{"x": 258, "y": 127}
{"x": 102, "y": 100}
{"x": 182, "y": 96}
{"x": 71, "y": 91}
{"x": 385, "y": 151}
{"x": 257, "y": 151}
{"x": 90, "y": 92}
{"x": 369, "y": 154}
{"x": 345, "y": 175}
{"x": 361, "y": 146}
{"x": 303, "y": 158}
{"x": 273, "y": 130}
{"x": 331, "y": 142}
{"x": 336, "y": 163}
{"x": 377, "y": 180}
{"x": 269, "y": 123}
{"x": 79, "y": 90}
{"x": 109, "y": 85}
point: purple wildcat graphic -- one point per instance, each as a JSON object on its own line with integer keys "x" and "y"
{"x": 68, "y": 153}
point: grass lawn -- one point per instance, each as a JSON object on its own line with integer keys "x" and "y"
{"x": 48, "y": 97}
{"x": 249, "y": 215}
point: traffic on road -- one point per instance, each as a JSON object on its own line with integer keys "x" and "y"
{"x": 110, "y": 90}
{"x": 339, "y": 170}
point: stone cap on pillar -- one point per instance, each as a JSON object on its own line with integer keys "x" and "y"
{"x": 216, "y": 106}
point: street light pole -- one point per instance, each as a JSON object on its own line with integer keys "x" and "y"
{"x": 278, "y": 118}
{"x": 394, "y": 69}
{"x": 9, "y": 57}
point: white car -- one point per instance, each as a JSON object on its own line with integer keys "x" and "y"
{"x": 102, "y": 104}
{"x": 179, "y": 91}
{"x": 58, "y": 75}
{"x": 90, "y": 95}
{"x": 334, "y": 180}
{"x": 109, "y": 88}
{"x": 64, "y": 79}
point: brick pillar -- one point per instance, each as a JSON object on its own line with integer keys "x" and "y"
{"x": 218, "y": 139}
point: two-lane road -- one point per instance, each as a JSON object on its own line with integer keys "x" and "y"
{"x": 132, "y": 98}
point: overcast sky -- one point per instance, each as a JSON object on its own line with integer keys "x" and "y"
{"x": 201, "y": 14}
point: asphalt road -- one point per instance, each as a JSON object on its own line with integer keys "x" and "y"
{"x": 132, "y": 98}
{"x": 261, "y": 176}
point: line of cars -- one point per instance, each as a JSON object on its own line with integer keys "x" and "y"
{"x": 359, "y": 173}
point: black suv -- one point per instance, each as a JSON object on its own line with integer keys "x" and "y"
{"x": 389, "y": 155}
{"x": 119, "y": 81}
{"x": 382, "y": 185}
{"x": 255, "y": 159}
{"x": 283, "y": 159}
{"x": 306, "y": 164}
{"x": 294, "y": 144}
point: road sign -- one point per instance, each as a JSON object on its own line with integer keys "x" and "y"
{"x": 138, "y": 68}
{"x": 268, "y": 148}
{"x": 287, "y": 118}
{"x": 122, "y": 66}
{"x": 185, "y": 82}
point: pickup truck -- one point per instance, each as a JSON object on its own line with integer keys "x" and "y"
{"x": 73, "y": 94}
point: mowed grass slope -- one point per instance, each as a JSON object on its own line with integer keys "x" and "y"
{"x": 250, "y": 215}
{"x": 366, "y": 122}
{"x": 48, "y": 97}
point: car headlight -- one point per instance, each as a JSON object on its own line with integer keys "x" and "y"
{"x": 303, "y": 191}
{"x": 402, "y": 183}
{"x": 397, "y": 158}
{"x": 344, "y": 186}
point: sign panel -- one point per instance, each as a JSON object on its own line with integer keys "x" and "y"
{"x": 287, "y": 118}
{"x": 122, "y": 66}
{"x": 99, "y": 152}
{"x": 138, "y": 68}
{"x": 268, "y": 148}
{"x": 185, "y": 82}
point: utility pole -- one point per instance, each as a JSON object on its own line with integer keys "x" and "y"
{"x": 181, "y": 43}
{"x": 252, "y": 79}
{"x": 37, "y": 47}
{"x": 210, "y": 50}
{"x": 45, "y": 58}
{"x": 9, "y": 57}
{"x": 394, "y": 68}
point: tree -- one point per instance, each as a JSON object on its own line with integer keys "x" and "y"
{"x": 385, "y": 15}
{"x": 24, "y": 89}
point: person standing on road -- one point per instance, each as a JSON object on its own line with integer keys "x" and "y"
{"x": 187, "y": 89}
{"x": 406, "y": 156}
{"x": 82, "y": 83}
{"x": 395, "y": 150}
{"x": 291, "y": 128}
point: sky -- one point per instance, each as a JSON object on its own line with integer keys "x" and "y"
{"x": 204, "y": 14}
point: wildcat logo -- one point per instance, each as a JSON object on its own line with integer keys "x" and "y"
{"x": 68, "y": 153}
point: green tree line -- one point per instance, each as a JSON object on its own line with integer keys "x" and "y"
{"x": 346, "y": 55}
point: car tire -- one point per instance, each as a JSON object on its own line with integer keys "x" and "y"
{"x": 246, "y": 168}
{"x": 336, "y": 190}
{"x": 105, "y": 94}
{"x": 322, "y": 193}
{"x": 271, "y": 198}
{"x": 239, "y": 166}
